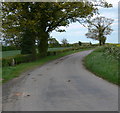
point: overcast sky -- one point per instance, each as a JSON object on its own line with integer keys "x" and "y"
{"x": 76, "y": 32}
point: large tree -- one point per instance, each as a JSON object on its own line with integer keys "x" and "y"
{"x": 41, "y": 18}
{"x": 98, "y": 28}
{"x": 50, "y": 16}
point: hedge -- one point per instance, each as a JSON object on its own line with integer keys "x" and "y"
{"x": 18, "y": 59}
{"x": 14, "y": 60}
{"x": 68, "y": 49}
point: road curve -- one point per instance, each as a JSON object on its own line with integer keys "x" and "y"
{"x": 60, "y": 85}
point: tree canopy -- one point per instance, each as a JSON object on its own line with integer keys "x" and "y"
{"x": 21, "y": 19}
{"x": 98, "y": 28}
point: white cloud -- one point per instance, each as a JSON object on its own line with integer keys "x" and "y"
{"x": 114, "y": 2}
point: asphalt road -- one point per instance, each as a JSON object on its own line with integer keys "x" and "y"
{"x": 60, "y": 85}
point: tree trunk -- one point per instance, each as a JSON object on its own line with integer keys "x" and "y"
{"x": 43, "y": 43}
{"x": 103, "y": 41}
{"x": 100, "y": 38}
{"x": 100, "y": 42}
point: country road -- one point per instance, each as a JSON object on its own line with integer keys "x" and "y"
{"x": 61, "y": 85}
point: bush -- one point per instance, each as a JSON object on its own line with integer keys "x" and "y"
{"x": 113, "y": 51}
{"x": 110, "y": 50}
{"x": 23, "y": 58}
{"x": 68, "y": 49}
{"x": 6, "y": 61}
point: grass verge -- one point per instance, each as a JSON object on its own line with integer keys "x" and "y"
{"x": 102, "y": 66}
{"x": 10, "y": 72}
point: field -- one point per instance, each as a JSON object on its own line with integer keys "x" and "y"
{"x": 10, "y": 53}
{"x": 15, "y": 52}
{"x": 118, "y": 45}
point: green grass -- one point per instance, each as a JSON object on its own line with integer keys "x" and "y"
{"x": 10, "y": 53}
{"x": 102, "y": 66}
{"x": 10, "y": 72}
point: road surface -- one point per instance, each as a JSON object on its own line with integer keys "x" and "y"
{"x": 60, "y": 85}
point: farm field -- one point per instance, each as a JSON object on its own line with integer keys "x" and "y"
{"x": 16, "y": 52}
{"x": 10, "y": 53}
{"x": 118, "y": 45}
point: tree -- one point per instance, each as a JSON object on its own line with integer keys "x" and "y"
{"x": 53, "y": 42}
{"x": 41, "y": 18}
{"x": 64, "y": 42}
{"x": 98, "y": 28}
{"x": 54, "y": 15}
{"x": 80, "y": 43}
{"x": 90, "y": 43}
{"x": 18, "y": 26}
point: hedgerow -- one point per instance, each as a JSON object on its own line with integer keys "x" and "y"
{"x": 14, "y": 60}
{"x": 18, "y": 59}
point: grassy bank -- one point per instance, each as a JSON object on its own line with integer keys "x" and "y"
{"x": 11, "y": 72}
{"x": 103, "y": 66}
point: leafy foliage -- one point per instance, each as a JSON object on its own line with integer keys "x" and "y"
{"x": 98, "y": 28}
{"x": 41, "y": 18}
{"x": 110, "y": 51}
{"x": 53, "y": 42}
{"x": 18, "y": 59}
